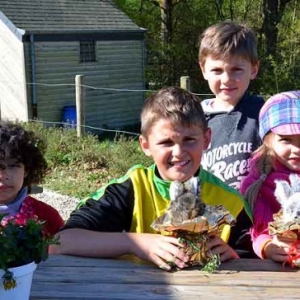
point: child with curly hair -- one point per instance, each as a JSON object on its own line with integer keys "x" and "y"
{"x": 22, "y": 164}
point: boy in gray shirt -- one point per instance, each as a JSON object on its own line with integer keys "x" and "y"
{"x": 228, "y": 61}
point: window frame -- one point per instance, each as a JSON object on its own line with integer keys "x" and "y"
{"x": 87, "y": 51}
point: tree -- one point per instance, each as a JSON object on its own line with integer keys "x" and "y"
{"x": 273, "y": 11}
{"x": 174, "y": 26}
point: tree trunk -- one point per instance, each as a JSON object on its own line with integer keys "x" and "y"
{"x": 166, "y": 8}
{"x": 272, "y": 14}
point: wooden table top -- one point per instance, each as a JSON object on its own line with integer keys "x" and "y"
{"x": 68, "y": 277}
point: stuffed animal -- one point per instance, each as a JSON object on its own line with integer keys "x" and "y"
{"x": 185, "y": 201}
{"x": 288, "y": 195}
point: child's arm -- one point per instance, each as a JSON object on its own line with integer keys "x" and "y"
{"x": 259, "y": 242}
{"x": 156, "y": 248}
{"x": 263, "y": 214}
{"x": 112, "y": 212}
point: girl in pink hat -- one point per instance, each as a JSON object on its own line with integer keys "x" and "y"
{"x": 276, "y": 159}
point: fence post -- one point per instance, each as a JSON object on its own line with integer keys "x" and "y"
{"x": 185, "y": 83}
{"x": 80, "y": 105}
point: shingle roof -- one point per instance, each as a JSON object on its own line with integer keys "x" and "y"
{"x": 42, "y": 16}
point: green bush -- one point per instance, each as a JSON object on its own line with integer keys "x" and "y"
{"x": 78, "y": 166}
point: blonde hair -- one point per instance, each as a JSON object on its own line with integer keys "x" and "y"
{"x": 226, "y": 39}
{"x": 265, "y": 165}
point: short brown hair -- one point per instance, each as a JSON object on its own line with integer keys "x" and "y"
{"x": 226, "y": 39}
{"x": 175, "y": 104}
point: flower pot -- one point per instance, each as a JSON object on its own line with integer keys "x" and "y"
{"x": 23, "y": 276}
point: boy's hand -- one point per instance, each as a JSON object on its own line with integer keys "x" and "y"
{"x": 218, "y": 246}
{"x": 159, "y": 249}
{"x": 277, "y": 250}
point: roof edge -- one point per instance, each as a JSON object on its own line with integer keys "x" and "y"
{"x": 104, "y": 35}
{"x": 11, "y": 26}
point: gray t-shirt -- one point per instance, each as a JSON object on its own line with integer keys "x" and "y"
{"x": 234, "y": 137}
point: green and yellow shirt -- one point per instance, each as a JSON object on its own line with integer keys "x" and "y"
{"x": 132, "y": 202}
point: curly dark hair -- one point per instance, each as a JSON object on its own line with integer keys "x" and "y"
{"x": 26, "y": 147}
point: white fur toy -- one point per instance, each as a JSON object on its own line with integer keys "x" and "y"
{"x": 288, "y": 195}
{"x": 185, "y": 201}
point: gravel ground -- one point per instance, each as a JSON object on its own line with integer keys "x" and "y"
{"x": 64, "y": 204}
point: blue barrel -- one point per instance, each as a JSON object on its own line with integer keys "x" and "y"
{"x": 69, "y": 116}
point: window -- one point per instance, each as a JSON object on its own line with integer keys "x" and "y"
{"x": 87, "y": 51}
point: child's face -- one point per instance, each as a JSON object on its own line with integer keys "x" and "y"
{"x": 287, "y": 150}
{"x": 228, "y": 79}
{"x": 176, "y": 150}
{"x": 12, "y": 175}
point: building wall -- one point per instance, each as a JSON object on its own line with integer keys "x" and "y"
{"x": 119, "y": 66}
{"x": 13, "y": 97}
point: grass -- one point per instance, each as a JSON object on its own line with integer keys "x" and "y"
{"x": 79, "y": 166}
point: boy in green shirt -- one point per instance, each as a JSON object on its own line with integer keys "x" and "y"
{"x": 116, "y": 219}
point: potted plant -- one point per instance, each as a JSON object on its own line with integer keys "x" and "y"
{"x": 23, "y": 245}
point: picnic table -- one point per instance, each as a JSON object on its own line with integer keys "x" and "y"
{"x": 70, "y": 277}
